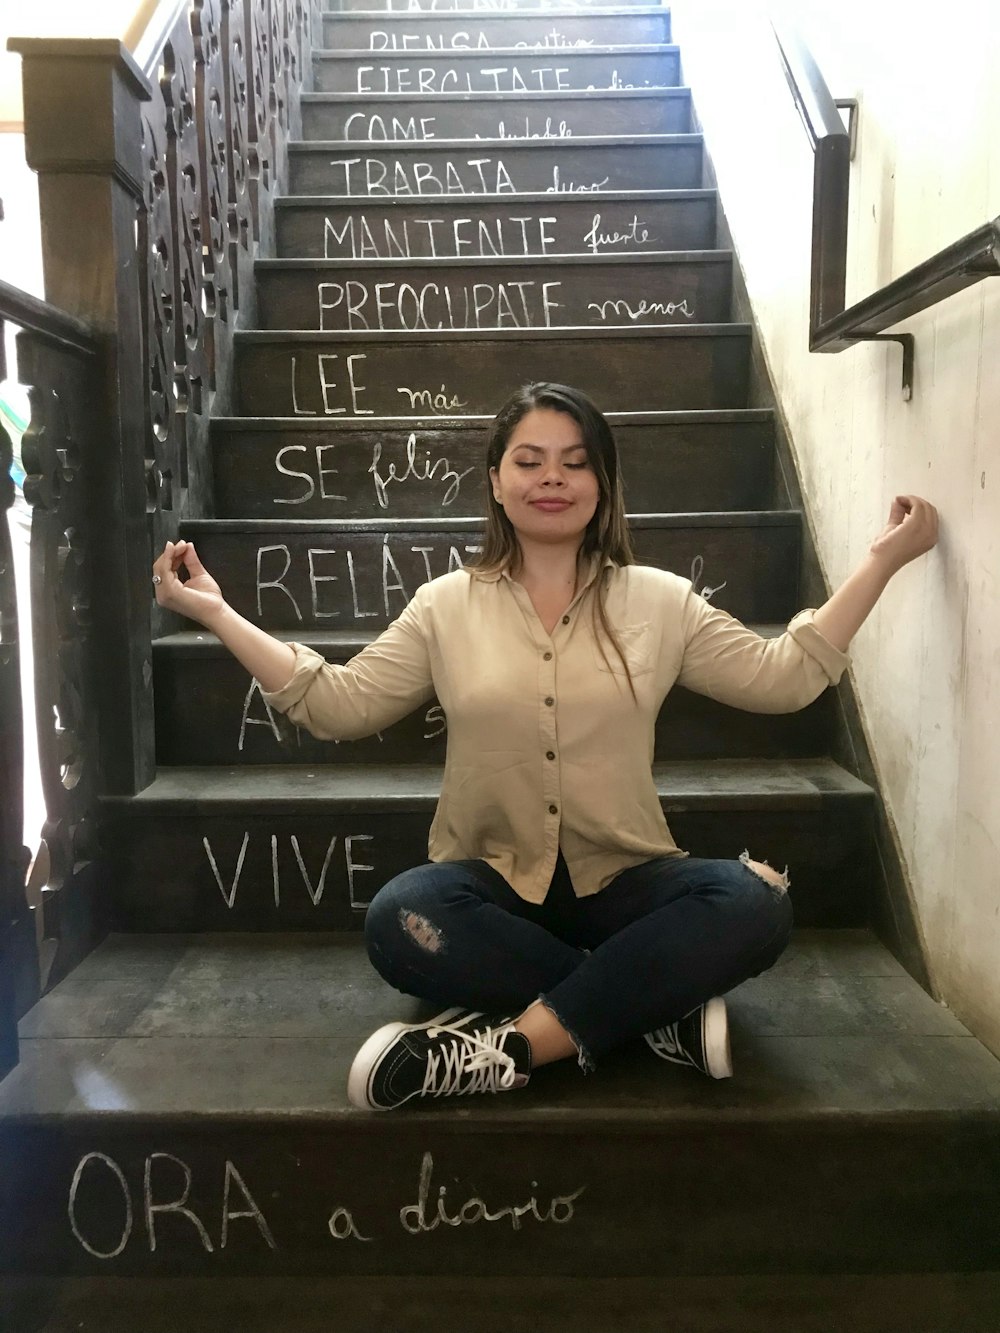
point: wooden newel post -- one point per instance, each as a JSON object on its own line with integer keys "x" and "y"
{"x": 83, "y": 137}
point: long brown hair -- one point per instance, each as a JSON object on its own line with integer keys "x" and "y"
{"x": 607, "y": 534}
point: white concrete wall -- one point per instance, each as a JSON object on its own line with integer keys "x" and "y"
{"x": 926, "y": 666}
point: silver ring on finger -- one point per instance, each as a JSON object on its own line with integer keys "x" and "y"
{"x": 156, "y": 580}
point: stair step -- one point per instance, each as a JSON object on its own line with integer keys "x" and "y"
{"x": 501, "y": 70}
{"x": 551, "y": 30}
{"x": 533, "y": 224}
{"x": 296, "y": 573}
{"x": 209, "y": 711}
{"x": 385, "y": 375}
{"x": 211, "y": 848}
{"x": 268, "y": 467}
{"x": 776, "y": 1303}
{"x": 451, "y": 170}
{"x": 555, "y": 292}
{"x": 558, "y": 116}
{"x": 858, "y": 1103}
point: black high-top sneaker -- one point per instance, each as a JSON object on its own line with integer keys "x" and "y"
{"x": 457, "y": 1052}
{"x": 700, "y": 1038}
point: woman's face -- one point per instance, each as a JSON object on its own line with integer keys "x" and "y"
{"x": 545, "y": 482}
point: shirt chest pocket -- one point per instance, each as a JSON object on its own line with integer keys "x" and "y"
{"x": 636, "y": 644}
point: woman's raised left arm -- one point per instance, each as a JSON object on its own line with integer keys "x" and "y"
{"x": 911, "y": 531}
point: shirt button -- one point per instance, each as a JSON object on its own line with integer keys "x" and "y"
{"x": 550, "y": 754}
{"x": 553, "y": 809}
{"x": 549, "y": 701}
{"x": 565, "y": 620}
{"x": 546, "y": 657}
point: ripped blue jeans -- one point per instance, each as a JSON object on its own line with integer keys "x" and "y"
{"x": 660, "y": 939}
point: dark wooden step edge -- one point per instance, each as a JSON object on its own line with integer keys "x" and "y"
{"x": 187, "y": 644}
{"x": 305, "y": 146}
{"x": 740, "y": 518}
{"x": 294, "y": 201}
{"x": 619, "y": 260}
{"x": 670, "y": 90}
{"x": 473, "y": 15}
{"x": 466, "y": 53}
{"x": 707, "y": 416}
{"x": 716, "y": 784}
{"x": 607, "y": 333}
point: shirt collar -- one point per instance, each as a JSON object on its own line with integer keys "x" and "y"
{"x": 495, "y": 576}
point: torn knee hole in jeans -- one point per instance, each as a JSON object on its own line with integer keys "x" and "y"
{"x": 777, "y": 879}
{"x": 426, "y": 935}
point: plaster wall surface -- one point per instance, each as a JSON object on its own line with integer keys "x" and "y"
{"x": 926, "y": 666}
{"x": 62, "y": 18}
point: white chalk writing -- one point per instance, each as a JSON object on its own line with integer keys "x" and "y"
{"x": 320, "y": 452}
{"x": 634, "y": 232}
{"x": 318, "y": 575}
{"x": 488, "y": 79}
{"x": 423, "y": 1216}
{"x": 314, "y": 889}
{"x": 640, "y": 310}
{"x": 155, "y": 1205}
{"x": 332, "y": 390}
{"x": 397, "y": 178}
{"x": 425, "y": 400}
{"x": 559, "y": 186}
{"x": 416, "y": 470}
{"x": 561, "y": 131}
{"x": 387, "y": 238}
{"x": 373, "y": 128}
{"x": 170, "y": 1221}
{"x": 354, "y": 304}
{"x": 697, "y": 569}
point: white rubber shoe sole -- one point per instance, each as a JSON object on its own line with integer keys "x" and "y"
{"x": 366, "y": 1062}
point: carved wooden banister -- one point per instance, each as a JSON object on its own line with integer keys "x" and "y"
{"x": 834, "y": 326}
{"x": 156, "y": 185}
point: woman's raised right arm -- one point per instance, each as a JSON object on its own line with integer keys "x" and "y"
{"x": 200, "y": 598}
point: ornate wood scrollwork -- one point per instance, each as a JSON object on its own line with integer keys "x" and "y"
{"x": 53, "y": 450}
{"x": 214, "y": 145}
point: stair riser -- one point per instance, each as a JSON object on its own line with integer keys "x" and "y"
{"x": 420, "y": 34}
{"x": 479, "y": 72}
{"x": 512, "y": 118}
{"x": 208, "y": 711}
{"x": 400, "y": 229}
{"x": 430, "y": 171}
{"x": 536, "y": 295}
{"x": 179, "y": 873}
{"x": 594, "y": 1211}
{"x": 337, "y": 376}
{"x": 287, "y": 579}
{"x": 426, "y": 473}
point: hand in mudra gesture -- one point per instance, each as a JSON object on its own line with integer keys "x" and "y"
{"x": 198, "y": 596}
{"x": 912, "y": 530}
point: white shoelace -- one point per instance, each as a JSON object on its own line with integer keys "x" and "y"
{"x": 664, "y": 1043}
{"x": 473, "y": 1056}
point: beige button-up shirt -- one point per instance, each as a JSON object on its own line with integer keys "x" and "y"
{"x": 546, "y": 745}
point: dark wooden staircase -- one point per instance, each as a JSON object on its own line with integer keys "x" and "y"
{"x": 483, "y": 198}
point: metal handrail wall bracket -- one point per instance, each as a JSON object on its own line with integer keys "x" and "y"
{"x": 833, "y": 326}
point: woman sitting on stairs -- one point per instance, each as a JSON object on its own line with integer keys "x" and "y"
{"x": 556, "y": 916}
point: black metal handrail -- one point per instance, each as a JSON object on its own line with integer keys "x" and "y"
{"x": 833, "y": 326}
{"x": 48, "y": 321}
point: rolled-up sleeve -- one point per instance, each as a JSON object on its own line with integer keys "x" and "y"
{"x": 385, "y": 681}
{"x": 729, "y": 662}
